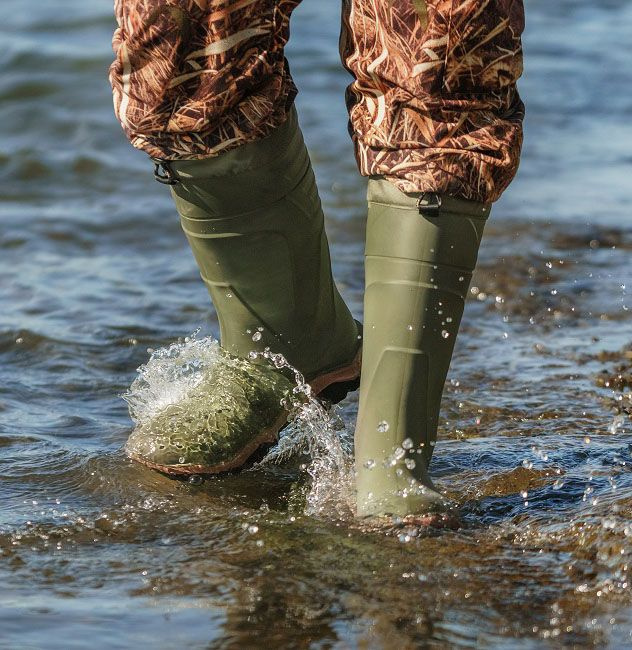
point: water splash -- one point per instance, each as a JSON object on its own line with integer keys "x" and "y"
{"x": 169, "y": 375}
{"x": 320, "y": 434}
{"x": 172, "y": 373}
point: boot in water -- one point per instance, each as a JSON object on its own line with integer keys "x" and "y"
{"x": 218, "y": 425}
{"x": 255, "y": 224}
{"x": 421, "y": 250}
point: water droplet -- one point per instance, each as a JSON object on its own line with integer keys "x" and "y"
{"x": 181, "y": 459}
{"x": 278, "y": 360}
{"x": 253, "y": 528}
{"x": 558, "y": 484}
{"x": 587, "y": 439}
{"x": 461, "y": 278}
{"x": 256, "y": 336}
{"x": 448, "y": 319}
{"x": 252, "y": 355}
{"x": 410, "y": 328}
{"x": 383, "y": 426}
{"x": 399, "y": 453}
{"x": 617, "y": 422}
{"x": 445, "y": 334}
{"x": 229, "y": 294}
{"x": 543, "y": 455}
{"x": 195, "y": 479}
{"x": 410, "y": 463}
{"x": 407, "y": 444}
{"x": 370, "y": 464}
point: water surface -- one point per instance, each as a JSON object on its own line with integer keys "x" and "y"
{"x": 535, "y": 436}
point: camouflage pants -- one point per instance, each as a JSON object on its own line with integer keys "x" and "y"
{"x": 433, "y": 105}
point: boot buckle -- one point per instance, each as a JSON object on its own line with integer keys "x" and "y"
{"x": 429, "y": 203}
{"x": 168, "y": 176}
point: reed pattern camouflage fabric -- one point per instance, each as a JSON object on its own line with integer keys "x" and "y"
{"x": 433, "y": 105}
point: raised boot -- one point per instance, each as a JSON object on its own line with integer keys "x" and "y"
{"x": 421, "y": 250}
{"x": 255, "y": 224}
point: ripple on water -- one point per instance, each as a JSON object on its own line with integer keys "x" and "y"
{"x": 95, "y": 269}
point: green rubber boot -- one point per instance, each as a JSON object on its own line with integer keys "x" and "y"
{"x": 421, "y": 250}
{"x": 255, "y": 224}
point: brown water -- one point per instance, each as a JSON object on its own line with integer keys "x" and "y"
{"x": 535, "y": 438}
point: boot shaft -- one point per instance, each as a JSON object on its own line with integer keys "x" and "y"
{"x": 419, "y": 263}
{"x": 255, "y": 224}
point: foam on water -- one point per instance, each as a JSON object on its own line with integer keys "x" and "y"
{"x": 313, "y": 430}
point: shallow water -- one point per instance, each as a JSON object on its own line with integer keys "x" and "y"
{"x": 535, "y": 438}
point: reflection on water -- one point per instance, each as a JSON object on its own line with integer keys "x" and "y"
{"x": 535, "y": 441}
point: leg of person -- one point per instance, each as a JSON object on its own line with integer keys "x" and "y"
{"x": 436, "y": 123}
{"x": 255, "y": 224}
{"x": 205, "y": 90}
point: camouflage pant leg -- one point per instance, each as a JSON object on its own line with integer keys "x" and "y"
{"x": 194, "y": 78}
{"x": 433, "y": 107}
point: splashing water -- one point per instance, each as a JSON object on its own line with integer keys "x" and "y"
{"x": 319, "y": 433}
{"x": 169, "y": 375}
{"x": 172, "y": 373}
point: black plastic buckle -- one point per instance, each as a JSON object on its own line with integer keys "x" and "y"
{"x": 429, "y": 204}
{"x": 167, "y": 177}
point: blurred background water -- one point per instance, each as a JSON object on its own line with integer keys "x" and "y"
{"x": 535, "y": 438}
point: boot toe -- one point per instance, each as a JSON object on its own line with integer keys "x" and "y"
{"x": 217, "y": 426}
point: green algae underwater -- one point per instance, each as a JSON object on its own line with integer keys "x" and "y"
{"x": 535, "y": 440}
